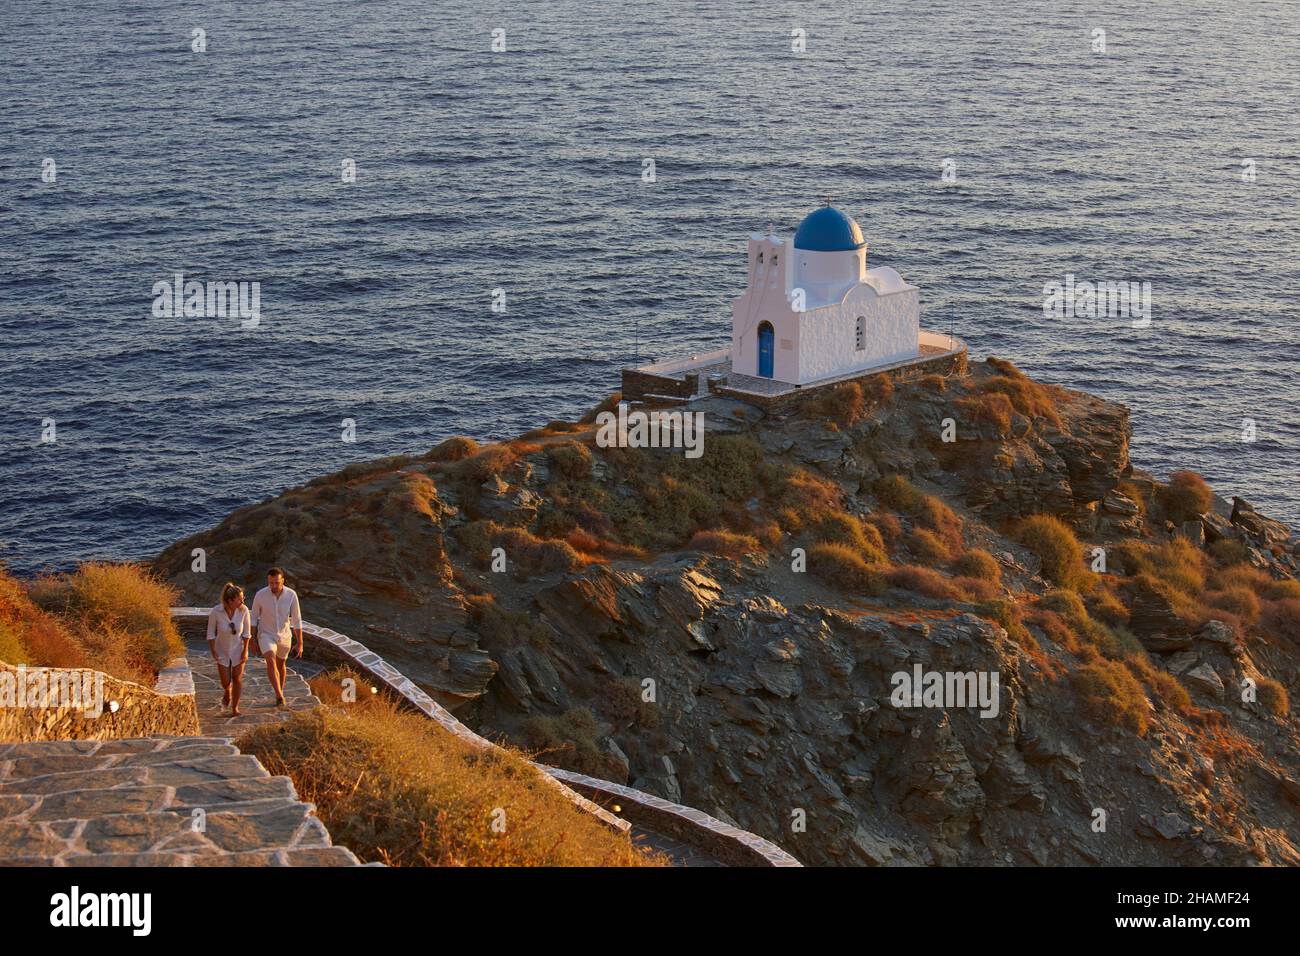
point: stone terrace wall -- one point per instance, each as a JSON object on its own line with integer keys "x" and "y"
{"x": 638, "y": 386}
{"x": 952, "y": 362}
{"x": 166, "y": 709}
{"x": 694, "y": 827}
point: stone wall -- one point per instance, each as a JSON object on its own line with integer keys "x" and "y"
{"x": 638, "y": 385}
{"x": 49, "y": 703}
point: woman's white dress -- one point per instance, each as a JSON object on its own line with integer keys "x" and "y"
{"x": 229, "y": 633}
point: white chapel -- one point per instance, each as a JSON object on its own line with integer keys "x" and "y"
{"x": 812, "y": 309}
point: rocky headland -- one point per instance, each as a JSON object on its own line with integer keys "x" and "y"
{"x": 725, "y": 632}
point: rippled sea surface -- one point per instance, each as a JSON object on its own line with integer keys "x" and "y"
{"x": 522, "y": 171}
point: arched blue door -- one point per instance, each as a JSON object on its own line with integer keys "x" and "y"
{"x": 765, "y": 349}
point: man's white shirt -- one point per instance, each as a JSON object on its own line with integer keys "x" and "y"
{"x": 272, "y": 615}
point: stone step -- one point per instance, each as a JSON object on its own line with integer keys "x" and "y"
{"x": 153, "y": 801}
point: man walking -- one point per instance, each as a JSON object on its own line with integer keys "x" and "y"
{"x": 277, "y": 620}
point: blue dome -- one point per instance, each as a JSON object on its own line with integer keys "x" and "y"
{"x": 828, "y": 230}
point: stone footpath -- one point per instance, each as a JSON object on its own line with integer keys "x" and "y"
{"x": 256, "y": 706}
{"x": 153, "y": 801}
{"x": 165, "y": 801}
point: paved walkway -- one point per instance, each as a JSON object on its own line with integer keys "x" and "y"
{"x": 165, "y": 801}
{"x": 153, "y": 801}
{"x": 256, "y": 707}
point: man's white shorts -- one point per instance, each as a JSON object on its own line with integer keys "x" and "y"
{"x": 268, "y": 642}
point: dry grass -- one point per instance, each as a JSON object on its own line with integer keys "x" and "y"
{"x": 1111, "y": 694}
{"x": 1162, "y": 684}
{"x": 846, "y": 529}
{"x": 394, "y": 787}
{"x": 1227, "y": 552}
{"x": 1029, "y": 398}
{"x": 1282, "y": 619}
{"x": 570, "y": 460}
{"x": 927, "y": 547}
{"x": 525, "y": 552}
{"x": 842, "y": 566}
{"x": 843, "y": 406}
{"x": 725, "y": 543}
{"x": 990, "y": 408}
{"x": 453, "y": 449}
{"x": 486, "y": 463}
{"x": 978, "y": 563}
{"x": 1185, "y": 498}
{"x": 119, "y": 614}
{"x": 1058, "y": 549}
{"x": 1240, "y": 601}
{"x": 1272, "y": 696}
{"x": 924, "y": 581}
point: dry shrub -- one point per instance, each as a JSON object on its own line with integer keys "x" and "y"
{"x": 1288, "y": 589}
{"x": 123, "y": 613}
{"x": 1106, "y": 606}
{"x": 1241, "y": 576}
{"x": 1058, "y": 549}
{"x": 1185, "y": 498}
{"x": 846, "y": 529}
{"x": 1177, "y": 563}
{"x": 476, "y": 538}
{"x": 1029, "y": 398}
{"x": 887, "y": 526}
{"x": 1111, "y": 694}
{"x": 898, "y": 494}
{"x": 453, "y": 449}
{"x": 1227, "y": 552}
{"x": 1239, "y": 601}
{"x": 1166, "y": 687}
{"x": 486, "y": 463}
{"x": 532, "y": 554}
{"x": 977, "y": 590}
{"x": 569, "y": 460}
{"x": 987, "y": 409}
{"x": 978, "y": 563}
{"x": 725, "y": 543}
{"x": 395, "y": 788}
{"x": 525, "y": 551}
{"x": 878, "y": 389}
{"x": 1282, "y": 619}
{"x": 601, "y": 549}
{"x": 1272, "y": 696}
{"x": 942, "y": 520}
{"x": 924, "y": 581}
{"x": 501, "y": 627}
{"x": 803, "y": 499}
{"x": 608, "y": 405}
{"x": 414, "y": 492}
{"x": 928, "y": 548}
{"x": 843, "y": 405}
{"x": 842, "y": 566}
{"x": 933, "y": 383}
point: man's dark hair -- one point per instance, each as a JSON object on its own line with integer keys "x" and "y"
{"x": 275, "y": 572}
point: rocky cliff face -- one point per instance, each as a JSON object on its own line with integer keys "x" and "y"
{"x": 743, "y": 684}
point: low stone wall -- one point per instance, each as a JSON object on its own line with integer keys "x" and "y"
{"x": 691, "y": 826}
{"x": 638, "y": 386}
{"x": 952, "y": 362}
{"x": 723, "y": 842}
{"x": 50, "y": 703}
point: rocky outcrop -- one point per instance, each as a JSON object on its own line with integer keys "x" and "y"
{"x": 765, "y": 698}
